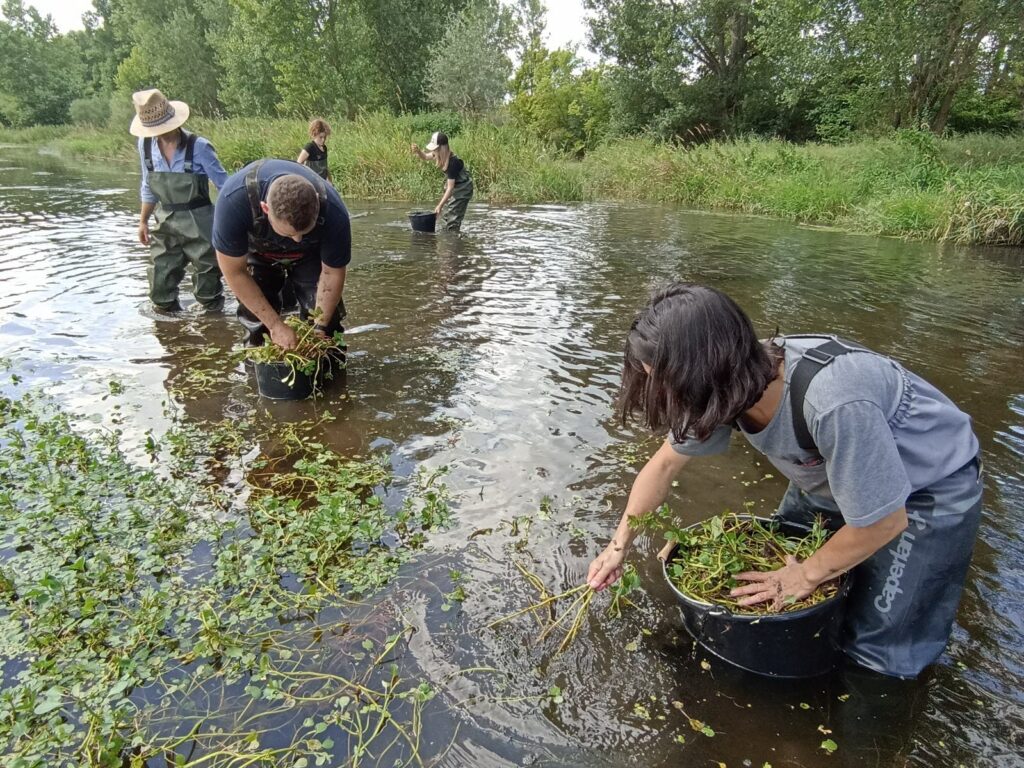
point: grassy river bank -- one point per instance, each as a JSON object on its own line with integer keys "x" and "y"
{"x": 967, "y": 190}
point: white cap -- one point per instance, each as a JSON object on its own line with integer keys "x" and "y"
{"x": 436, "y": 140}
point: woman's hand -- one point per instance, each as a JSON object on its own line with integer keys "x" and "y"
{"x": 790, "y": 582}
{"x": 607, "y": 567}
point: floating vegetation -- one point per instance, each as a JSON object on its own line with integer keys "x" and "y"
{"x": 314, "y": 354}
{"x": 566, "y": 624}
{"x": 710, "y": 554}
{"x": 634, "y": 452}
{"x": 171, "y": 615}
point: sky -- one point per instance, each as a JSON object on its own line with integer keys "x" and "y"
{"x": 565, "y": 19}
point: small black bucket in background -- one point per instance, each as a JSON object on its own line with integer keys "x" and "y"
{"x": 274, "y": 381}
{"x": 423, "y": 221}
{"x": 790, "y": 644}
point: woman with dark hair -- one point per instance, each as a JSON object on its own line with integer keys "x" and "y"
{"x": 888, "y": 460}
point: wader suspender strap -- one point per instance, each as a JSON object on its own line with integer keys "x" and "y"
{"x": 200, "y": 201}
{"x": 190, "y": 146}
{"x": 260, "y": 224}
{"x": 807, "y": 367}
{"x": 252, "y": 190}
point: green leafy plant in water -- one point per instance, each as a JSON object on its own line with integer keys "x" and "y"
{"x": 105, "y": 592}
{"x": 627, "y": 583}
{"x": 708, "y": 557}
{"x": 314, "y": 354}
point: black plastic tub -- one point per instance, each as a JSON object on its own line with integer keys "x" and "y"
{"x": 790, "y": 644}
{"x": 423, "y": 221}
{"x": 274, "y": 381}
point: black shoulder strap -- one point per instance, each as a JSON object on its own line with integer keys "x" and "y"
{"x": 321, "y": 193}
{"x": 147, "y": 153}
{"x": 808, "y": 366}
{"x": 260, "y": 224}
{"x": 252, "y": 190}
{"x": 190, "y": 146}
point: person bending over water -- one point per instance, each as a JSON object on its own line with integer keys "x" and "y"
{"x": 887, "y": 459}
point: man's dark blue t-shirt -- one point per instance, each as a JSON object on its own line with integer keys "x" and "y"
{"x": 232, "y": 217}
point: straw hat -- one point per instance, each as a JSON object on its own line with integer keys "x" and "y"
{"x": 155, "y": 115}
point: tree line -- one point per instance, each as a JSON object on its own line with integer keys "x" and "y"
{"x": 685, "y": 70}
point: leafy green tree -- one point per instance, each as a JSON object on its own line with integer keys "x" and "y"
{"x": 402, "y": 35}
{"x": 556, "y": 98}
{"x": 680, "y": 65}
{"x": 171, "y": 49}
{"x": 469, "y": 73}
{"x": 40, "y": 74}
{"x": 879, "y": 64}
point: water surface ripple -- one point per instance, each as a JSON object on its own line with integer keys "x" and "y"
{"x": 497, "y": 353}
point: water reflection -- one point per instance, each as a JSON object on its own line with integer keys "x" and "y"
{"x": 496, "y": 353}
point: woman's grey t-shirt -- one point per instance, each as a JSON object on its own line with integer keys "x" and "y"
{"x": 882, "y": 433}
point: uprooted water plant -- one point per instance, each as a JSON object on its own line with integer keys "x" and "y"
{"x": 556, "y": 620}
{"x": 202, "y": 613}
{"x": 315, "y": 354}
{"x": 708, "y": 556}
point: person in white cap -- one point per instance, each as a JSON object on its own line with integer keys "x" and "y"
{"x": 458, "y": 188}
{"x": 176, "y": 171}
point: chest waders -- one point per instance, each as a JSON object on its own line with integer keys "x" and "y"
{"x": 181, "y": 235}
{"x": 904, "y": 597}
{"x": 278, "y": 269}
{"x": 454, "y": 210}
{"x": 319, "y": 167}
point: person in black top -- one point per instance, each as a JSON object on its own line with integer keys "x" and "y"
{"x": 314, "y": 154}
{"x": 458, "y": 189}
{"x": 277, "y": 223}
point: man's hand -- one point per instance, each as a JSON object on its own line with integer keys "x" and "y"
{"x": 415, "y": 149}
{"x": 788, "y": 583}
{"x": 144, "y": 232}
{"x": 607, "y": 567}
{"x": 437, "y": 210}
{"x": 283, "y": 335}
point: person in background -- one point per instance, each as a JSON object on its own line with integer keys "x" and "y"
{"x": 278, "y": 224}
{"x": 314, "y": 154}
{"x": 176, "y": 170}
{"x": 889, "y": 462}
{"x": 458, "y": 188}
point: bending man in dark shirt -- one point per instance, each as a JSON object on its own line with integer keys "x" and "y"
{"x": 277, "y": 223}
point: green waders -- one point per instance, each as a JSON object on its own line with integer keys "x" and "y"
{"x": 319, "y": 167}
{"x": 455, "y": 209}
{"x": 184, "y": 224}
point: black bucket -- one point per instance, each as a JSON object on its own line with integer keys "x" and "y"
{"x": 274, "y": 381}
{"x": 423, "y": 221}
{"x": 802, "y": 643}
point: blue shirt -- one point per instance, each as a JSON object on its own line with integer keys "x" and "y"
{"x": 232, "y": 217}
{"x": 204, "y": 161}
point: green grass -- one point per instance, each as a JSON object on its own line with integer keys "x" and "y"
{"x": 966, "y": 189}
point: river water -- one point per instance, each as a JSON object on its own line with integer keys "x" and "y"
{"x": 496, "y": 353}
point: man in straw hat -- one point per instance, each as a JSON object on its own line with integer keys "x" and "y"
{"x": 279, "y": 225}
{"x": 176, "y": 170}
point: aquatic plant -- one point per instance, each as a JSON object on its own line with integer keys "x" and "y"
{"x": 171, "y": 614}
{"x": 567, "y": 623}
{"x": 314, "y": 354}
{"x": 708, "y": 556}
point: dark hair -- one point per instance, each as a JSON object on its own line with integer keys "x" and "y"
{"x": 294, "y": 200}
{"x": 707, "y": 364}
